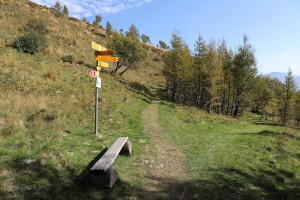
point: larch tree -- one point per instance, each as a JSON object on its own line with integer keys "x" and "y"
{"x": 58, "y": 7}
{"x": 65, "y": 10}
{"x": 163, "y": 45}
{"x": 108, "y": 27}
{"x": 244, "y": 73}
{"x": 200, "y": 72}
{"x": 133, "y": 32}
{"x": 215, "y": 77}
{"x": 289, "y": 92}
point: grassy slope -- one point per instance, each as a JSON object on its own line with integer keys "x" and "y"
{"x": 47, "y": 110}
{"x": 234, "y": 159}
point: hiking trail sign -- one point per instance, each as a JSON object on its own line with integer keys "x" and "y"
{"x": 101, "y": 54}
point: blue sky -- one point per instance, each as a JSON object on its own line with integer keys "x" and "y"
{"x": 273, "y": 26}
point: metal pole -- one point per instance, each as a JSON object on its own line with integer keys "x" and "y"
{"x": 96, "y": 112}
{"x": 96, "y": 107}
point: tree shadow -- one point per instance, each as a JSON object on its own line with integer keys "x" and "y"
{"x": 144, "y": 93}
{"x": 274, "y": 134}
{"x": 44, "y": 181}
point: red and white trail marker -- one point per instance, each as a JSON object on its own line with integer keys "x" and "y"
{"x": 94, "y": 74}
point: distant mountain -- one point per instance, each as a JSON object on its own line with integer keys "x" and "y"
{"x": 281, "y": 77}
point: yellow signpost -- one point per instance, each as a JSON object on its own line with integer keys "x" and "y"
{"x": 102, "y": 64}
{"x": 104, "y": 53}
{"x": 101, "y": 54}
{"x": 98, "y": 47}
{"x": 107, "y": 59}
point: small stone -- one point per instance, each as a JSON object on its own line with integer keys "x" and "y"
{"x": 145, "y": 162}
{"x": 2, "y": 121}
{"x": 21, "y": 124}
{"x": 43, "y": 162}
{"x": 29, "y": 161}
{"x": 102, "y": 146}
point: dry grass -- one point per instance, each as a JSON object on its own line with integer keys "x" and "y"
{"x": 50, "y": 74}
{"x": 53, "y": 29}
{"x": 49, "y": 50}
{"x": 59, "y": 53}
{"x": 10, "y": 61}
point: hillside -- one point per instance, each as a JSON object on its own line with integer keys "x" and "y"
{"x": 47, "y": 140}
{"x": 281, "y": 77}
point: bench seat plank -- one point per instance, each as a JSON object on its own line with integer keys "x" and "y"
{"x": 110, "y": 156}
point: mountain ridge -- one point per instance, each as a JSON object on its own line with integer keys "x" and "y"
{"x": 281, "y": 76}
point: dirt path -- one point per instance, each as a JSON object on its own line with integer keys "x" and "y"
{"x": 162, "y": 159}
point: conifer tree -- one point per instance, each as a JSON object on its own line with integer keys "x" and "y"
{"x": 98, "y": 19}
{"x": 145, "y": 38}
{"x": 244, "y": 73}
{"x": 163, "y": 45}
{"x": 199, "y": 71}
{"x": 176, "y": 70}
{"x": 65, "y": 10}
{"x": 84, "y": 19}
{"x": 297, "y": 108}
{"x": 289, "y": 92}
{"x": 58, "y": 7}
{"x": 108, "y": 27}
{"x": 216, "y": 79}
{"x": 133, "y": 32}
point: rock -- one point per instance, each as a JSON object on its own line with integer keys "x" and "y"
{"x": 2, "y": 121}
{"x": 105, "y": 179}
{"x": 145, "y": 162}
{"x": 21, "y": 124}
{"x": 142, "y": 141}
{"x": 43, "y": 162}
{"x": 29, "y": 161}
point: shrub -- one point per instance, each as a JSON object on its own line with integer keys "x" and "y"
{"x": 68, "y": 58}
{"x": 29, "y": 43}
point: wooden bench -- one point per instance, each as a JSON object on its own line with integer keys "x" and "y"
{"x": 102, "y": 173}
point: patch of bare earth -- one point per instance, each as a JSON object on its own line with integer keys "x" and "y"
{"x": 163, "y": 167}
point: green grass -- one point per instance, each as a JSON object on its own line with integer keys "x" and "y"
{"x": 234, "y": 159}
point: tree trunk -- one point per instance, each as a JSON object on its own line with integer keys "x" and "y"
{"x": 266, "y": 113}
{"x": 237, "y": 107}
{"x": 124, "y": 71}
{"x": 174, "y": 91}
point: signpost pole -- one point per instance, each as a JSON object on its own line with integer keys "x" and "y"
{"x": 96, "y": 110}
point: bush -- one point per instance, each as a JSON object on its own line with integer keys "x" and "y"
{"x": 69, "y": 59}
{"x": 29, "y": 43}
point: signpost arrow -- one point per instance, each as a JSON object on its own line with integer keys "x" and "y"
{"x": 104, "y": 53}
{"x": 102, "y": 64}
{"x": 106, "y": 58}
{"x": 98, "y": 47}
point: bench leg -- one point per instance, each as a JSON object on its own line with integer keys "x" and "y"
{"x": 105, "y": 179}
{"x": 127, "y": 148}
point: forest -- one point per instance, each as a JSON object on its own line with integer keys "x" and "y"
{"x": 224, "y": 81}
